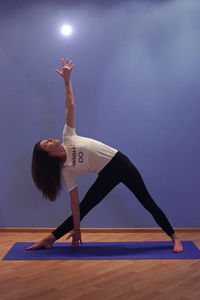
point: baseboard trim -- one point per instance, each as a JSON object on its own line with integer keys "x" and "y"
{"x": 94, "y": 230}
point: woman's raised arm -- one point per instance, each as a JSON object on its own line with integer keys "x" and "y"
{"x": 69, "y": 97}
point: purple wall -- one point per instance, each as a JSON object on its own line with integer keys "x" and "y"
{"x": 136, "y": 86}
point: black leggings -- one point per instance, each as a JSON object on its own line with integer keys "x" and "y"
{"x": 119, "y": 169}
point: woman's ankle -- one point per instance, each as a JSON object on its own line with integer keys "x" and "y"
{"x": 174, "y": 237}
{"x": 51, "y": 238}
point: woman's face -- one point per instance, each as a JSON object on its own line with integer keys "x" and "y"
{"x": 52, "y": 146}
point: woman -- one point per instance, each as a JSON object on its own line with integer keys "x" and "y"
{"x": 78, "y": 155}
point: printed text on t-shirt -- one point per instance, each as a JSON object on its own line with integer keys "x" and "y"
{"x": 74, "y": 156}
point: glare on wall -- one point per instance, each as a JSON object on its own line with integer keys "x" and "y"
{"x": 66, "y": 30}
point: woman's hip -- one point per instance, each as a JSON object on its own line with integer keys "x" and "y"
{"x": 117, "y": 165}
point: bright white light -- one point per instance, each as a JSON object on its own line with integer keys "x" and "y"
{"x": 66, "y": 29}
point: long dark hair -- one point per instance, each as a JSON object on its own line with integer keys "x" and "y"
{"x": 46, "y": 172}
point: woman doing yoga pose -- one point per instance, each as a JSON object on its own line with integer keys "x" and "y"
{"x": 53, "y": 160}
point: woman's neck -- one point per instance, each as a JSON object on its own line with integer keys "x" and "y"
{"x": 63, "y": 154}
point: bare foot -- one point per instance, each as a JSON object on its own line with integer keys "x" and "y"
{"x": 41, "y": 244}
{"x": 178, "y": 247}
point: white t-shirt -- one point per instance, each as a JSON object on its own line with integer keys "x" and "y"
{"x": 84, "y": 155}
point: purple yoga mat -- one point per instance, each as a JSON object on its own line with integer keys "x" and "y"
{"x": 104, "y": 250}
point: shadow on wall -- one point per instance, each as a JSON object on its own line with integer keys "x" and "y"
{"x": 2, "y": 224}
{"x": 20, "y": 191}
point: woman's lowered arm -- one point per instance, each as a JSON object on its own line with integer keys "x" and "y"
{"x": 76, "y": 233}
{"x": 75, "y": 208}
{"x": 69, "y": 97}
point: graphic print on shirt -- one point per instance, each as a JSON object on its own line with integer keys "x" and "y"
{"x": 75, "y": 156}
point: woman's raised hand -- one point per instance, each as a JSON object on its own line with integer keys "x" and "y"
{"x": 66, "y": 69}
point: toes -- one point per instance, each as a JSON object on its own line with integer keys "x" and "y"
{"x": 32, "y": 247}
{"x": 178, "y": 250}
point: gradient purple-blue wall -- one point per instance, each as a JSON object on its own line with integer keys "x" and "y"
{"x": 136, "y": 86}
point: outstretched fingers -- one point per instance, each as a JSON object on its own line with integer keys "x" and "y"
{"x": 62, "y": 62}
{"x": 69, "y": 63}
{"x": 66, "y": 68}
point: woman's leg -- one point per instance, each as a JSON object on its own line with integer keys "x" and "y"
{"x": 104, "y": 183}
{"x": 133, "y": 180}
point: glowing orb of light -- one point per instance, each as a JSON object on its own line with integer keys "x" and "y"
{"x": 66, "y": 30}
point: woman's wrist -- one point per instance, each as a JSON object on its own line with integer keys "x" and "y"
{"x": 66, "y": 81}
{"x": 77, "y": 229}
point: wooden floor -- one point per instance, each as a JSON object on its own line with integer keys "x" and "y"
{"x": 99, "y": 279}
